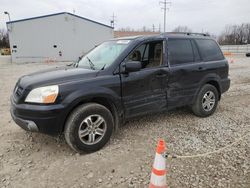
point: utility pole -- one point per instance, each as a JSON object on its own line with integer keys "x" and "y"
{"x": 10, "y": 27}
{"x": 165, "y": 2}
{"x": 7, "y": 13}
{"x": 153, "y": 27}
{"x": 113, "y": 20}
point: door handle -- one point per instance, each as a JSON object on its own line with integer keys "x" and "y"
{"x": 161, "y": 75}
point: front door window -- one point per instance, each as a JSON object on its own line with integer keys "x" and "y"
{"x": 149, "y": 54}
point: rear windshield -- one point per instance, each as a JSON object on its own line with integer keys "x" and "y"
{"x": 209, "y": 50}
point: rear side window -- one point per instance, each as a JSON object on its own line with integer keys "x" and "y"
{"x": 180, "y": 51}
{"x": 196, "y": 52}
{"x": 209, "y": 50}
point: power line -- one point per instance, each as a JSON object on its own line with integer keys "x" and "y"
{"x": 165, "y": 8}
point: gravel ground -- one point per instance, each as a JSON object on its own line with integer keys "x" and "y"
{"x": 37, "y": 160}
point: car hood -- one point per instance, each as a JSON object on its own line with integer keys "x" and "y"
{"x": 56, "y": 76}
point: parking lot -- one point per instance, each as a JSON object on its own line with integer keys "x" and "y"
{"x": 37, "y": 160}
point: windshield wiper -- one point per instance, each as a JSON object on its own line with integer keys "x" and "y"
{"x": 92, "y": 65}
{"x": 103, "y": 67}
{"x": 77, "y": 62}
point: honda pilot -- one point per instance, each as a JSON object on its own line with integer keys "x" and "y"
{"x": 118, "y": 80}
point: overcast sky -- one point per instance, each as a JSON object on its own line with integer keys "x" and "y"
{"x": 198, "y": 15}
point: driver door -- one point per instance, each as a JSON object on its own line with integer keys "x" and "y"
{"x": 144, "y": 91}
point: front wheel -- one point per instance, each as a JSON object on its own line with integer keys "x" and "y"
{"x": 89, "y": 127}
{"x": 206, "y": 101}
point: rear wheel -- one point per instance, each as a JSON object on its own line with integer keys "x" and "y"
{"x": 89, "y": 127}
{"x": 206, "y": 101}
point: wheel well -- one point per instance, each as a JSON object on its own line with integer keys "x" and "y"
{"x": 216, "y": 85}
{"x": 102, "y": 101}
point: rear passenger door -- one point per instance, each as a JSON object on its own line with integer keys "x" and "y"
{"x": 186, "y": 70}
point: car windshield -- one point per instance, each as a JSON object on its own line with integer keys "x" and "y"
{"x": 103, "y": 55}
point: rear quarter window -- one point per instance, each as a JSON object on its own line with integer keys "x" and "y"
{"x": 209, "y": 50}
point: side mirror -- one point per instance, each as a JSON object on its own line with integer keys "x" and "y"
{"x": 132, "y": 66}
{"x": 248, "y": 54}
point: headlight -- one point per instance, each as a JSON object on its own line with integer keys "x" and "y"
{"x": 44, "y": 95}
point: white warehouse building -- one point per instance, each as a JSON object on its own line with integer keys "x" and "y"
{"x": 55, "y": 37}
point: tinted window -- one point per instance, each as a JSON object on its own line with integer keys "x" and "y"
{"x": 209, "y": 50}
{"x": 145, "y": 54}
{"x": 197, "y": 57}
{"x": 180, "y": 51}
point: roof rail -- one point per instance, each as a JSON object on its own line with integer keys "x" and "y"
{"x": 187, "y": 33}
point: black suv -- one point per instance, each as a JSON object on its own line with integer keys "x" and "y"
{"x": 118, "y": 80}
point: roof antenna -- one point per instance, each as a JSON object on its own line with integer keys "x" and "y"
{"x": 74, "y": 11}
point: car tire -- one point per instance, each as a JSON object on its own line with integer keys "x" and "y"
{"x": 89, "y": 127}
{"x": 206, "y": 101}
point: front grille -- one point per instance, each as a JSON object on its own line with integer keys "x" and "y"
{"x": 18, "y": 91}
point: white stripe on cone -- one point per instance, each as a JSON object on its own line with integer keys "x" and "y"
{"x": 158, "y": 180}
{"x": 159, "y": 162}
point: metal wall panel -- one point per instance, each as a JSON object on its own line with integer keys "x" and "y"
{"x": 62, "y": 37}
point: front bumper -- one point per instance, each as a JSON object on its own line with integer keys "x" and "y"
{"x": 25, "y": 124}
{"x": 48, "y": 119}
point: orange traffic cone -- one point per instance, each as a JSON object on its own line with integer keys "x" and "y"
{"x": 158, "y": 174}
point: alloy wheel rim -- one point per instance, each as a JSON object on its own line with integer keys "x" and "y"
{"x": 92, "y": 129}
{"x": 208, "y": 101}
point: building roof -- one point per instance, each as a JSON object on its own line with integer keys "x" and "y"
{"x": 49, "y": 15}
{"x": 119, "y": 34}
